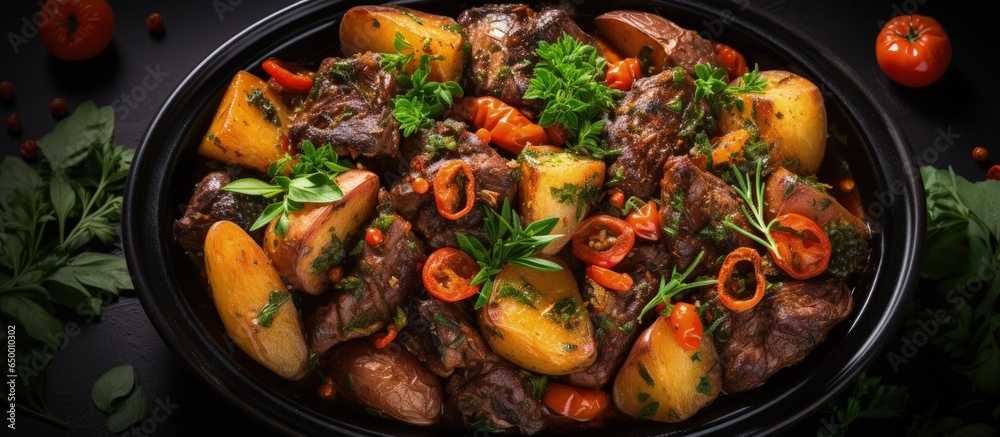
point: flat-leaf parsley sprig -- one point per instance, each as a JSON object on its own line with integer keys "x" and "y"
{"x": 508, "y": 243}
{"x": 711, "y": 85}
{"x": 570, "y": 79}
{"x": 311, "y": 180}
{"x": 424, "y": 100}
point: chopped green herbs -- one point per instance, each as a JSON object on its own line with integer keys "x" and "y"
{"x": 424, "y": 100}
{"x": 275, "y": 300}
{"x": 256, "y": 97}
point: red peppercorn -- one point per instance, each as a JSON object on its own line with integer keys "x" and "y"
{"x": 327, "y": 391}
{"x": 993, "y": 173}
{"x": 59, "y": 107}
{"x": 980, "y": 154}
{"x": 373, "y": 236}
{"x": 29, "y": 150}
{"x": 155, "y": 22}
{"x": 13, "y": 123}
{"x": 6, "y": 91}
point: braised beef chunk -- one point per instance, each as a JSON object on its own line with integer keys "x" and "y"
{"x": 210, "y": 204}
{"x": 441, "y": 335}
{"x": 431, "y": 149}
{"x": 498, "y": 398}
{"x": 779, "y": 331}
{"x": 614, "y": 317}
{"x": 348, "y": 107}
{"x": 695, "y": 206}
{"x": 366, "y": 300}
{"x": 656, "y": 119}
{"x": 503, "y": 39}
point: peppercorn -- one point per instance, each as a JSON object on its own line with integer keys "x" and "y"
{"x": 29, "y": 150}
{"x": 6, "y": 91}
{"x": 155, "y": 22}
{"x": 59, "y": 107}
{"x": 13, "y": 123}
{"x": 993, "y": 173}
{"x": 980, "y": 154}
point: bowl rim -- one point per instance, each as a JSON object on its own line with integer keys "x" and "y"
{"x": 897, "y": 269}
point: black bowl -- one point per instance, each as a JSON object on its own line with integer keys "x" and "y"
{"x": 173, "y": 296}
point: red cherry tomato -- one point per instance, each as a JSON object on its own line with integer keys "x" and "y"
{"x": 74, "y": 30}
{"x": 686, "y": 323}
{"x": 447, "y": 274}
{"x": 373, "y": 236}
{"x": 609, "y": 278}
{"x": 804, "y": 250}
{"x": 645, "y": 221}
{"x": 736, "y": 65}
{"x": 913, "y": 50}
{"x": 602, "y": 240}
{"x": 577, "y": 403}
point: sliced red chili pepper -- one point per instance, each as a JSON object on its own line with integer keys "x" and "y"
{"x": 609, "y": 278}
{"x": 283, "y": 74}
{"x": 382, "y": 340}
{"x": 645, "y": 220}
{"x": 686, "y": 323}
{"x": 621, "y": 74}
{"x": 509, "y": 128}
{"x": 557, "y": 134}
{"x": 742, "y": 254}
{"x": 616, "y": 198}
{"x": 454, "y": 189}
{"x": 803, "y": 248}
{"x": 447, "y": 274}
{"x": 603, "y": 240}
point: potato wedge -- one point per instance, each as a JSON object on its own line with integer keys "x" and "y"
{"x": 661, "y": 381}
{"x": 389, "y": 381}
{"x": 556, "y": 183}
{"x": 537, "y": 320}
{"x": 248, "y": 125}
{"x": 644, "y": 35}
{"x": 372, "y": 28}
{"x": 318, "y": 234}
{"x": 791, "y": 117}
{"x": 246, "y": 288}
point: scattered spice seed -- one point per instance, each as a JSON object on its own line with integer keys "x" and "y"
{"x": 6, "y": 91}
{"x": 847, "y": 185}
{"x": 980, "y": 154}
{"x": 335, "y": 274}
{"x": 29, "y": 150}
{"x": 13, "y": 123}
{"x": 59, "y": 107}
{"x": 155, "y": 22}
{"x": 994, "y": 173}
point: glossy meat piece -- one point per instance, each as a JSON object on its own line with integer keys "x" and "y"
{"x": 647, "y": 131}
{"x": 494, "y": 181}
{"x": 498, "y": 397}
{"x": 442, "y": 336}
{"x": 348, "y": 107}
{"x": 779, "y": 331}
{"x": 210, "y": 204}
{"x": 366, "y": 300}
{"x": 695, "y": 206}
{"x": 503, "y": 39}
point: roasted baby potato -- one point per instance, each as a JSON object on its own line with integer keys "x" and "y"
{"x": 389, "y": 381}
{"x": 790, "y": 116}
{"x": 556, "y": 183}
{"x": 537, "y": 320}
{"x": 652, "y": 38}
{"x": 373, "y": 28}
{"x": 318, "y": 234}
{"x": 661, "y": 381}
{"x": 248, "y": 125}
{"x": 255, "y": 306}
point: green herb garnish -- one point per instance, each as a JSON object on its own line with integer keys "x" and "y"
{"x": 675, "y": 286}
{"x": 570, "y": 79}
{"x": 508, "y": 243}
{"x": 275, "y": 300}
{"x": 311, "y": 181}
{"x": 424, "y": 100}
{"x": 116, "y": 395}
{"x": 752, "y": 192}
{"x": 711, "y": 86}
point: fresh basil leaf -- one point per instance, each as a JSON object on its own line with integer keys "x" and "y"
{"x": 253, "y": 187}
{"x": 270, "y": 213}
{"x": 15, "y": 174}
{"x": 113, "y": 385}
{"x": 537, "y": 264}
{"x": 307, "y": 190}
{"x": 66, "y": 290}
{"x": 37, "y": 321}
{"x": 61, "y": 195}
{"x": 129, "y": 411}
{"x": 74, "y": 136}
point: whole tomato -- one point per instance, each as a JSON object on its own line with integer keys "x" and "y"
{"x": 913, "y": 50}
{"x": 74, "y": 30}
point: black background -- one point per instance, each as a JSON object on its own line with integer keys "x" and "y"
{"x": 962, "y": 104}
